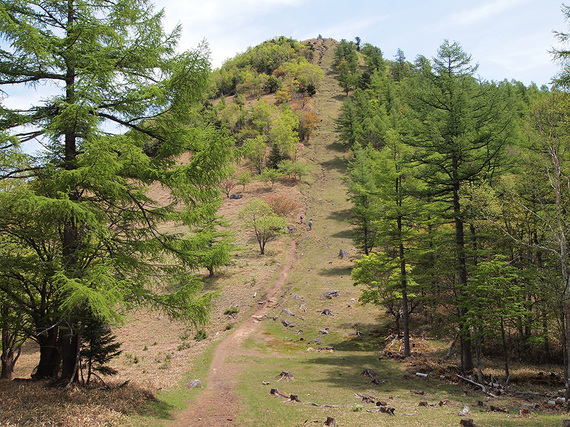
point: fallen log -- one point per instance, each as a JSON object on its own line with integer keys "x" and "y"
{"x": 295, "y": 398}
{"x": 276, "y": 392}
{"x": 386, "y": 410}
{"x": 483, "y": 388}
{"x": 366, "y": 398}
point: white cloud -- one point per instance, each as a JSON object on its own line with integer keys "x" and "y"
{"x": 481, "y": 13}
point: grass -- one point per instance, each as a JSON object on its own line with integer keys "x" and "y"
{"x": 168, "y": 402}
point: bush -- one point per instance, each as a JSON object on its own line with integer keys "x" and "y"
{"x": 200, "y": 335}
{"x": 231, "y": 310}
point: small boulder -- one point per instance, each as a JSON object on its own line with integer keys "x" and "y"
{"x": 194, "y": 384}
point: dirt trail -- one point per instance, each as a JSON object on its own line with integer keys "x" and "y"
{"x": 218, "y": 404}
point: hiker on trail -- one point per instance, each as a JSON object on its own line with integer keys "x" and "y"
{"x": 301, "y": 218}
{"x": 310, "y": 224}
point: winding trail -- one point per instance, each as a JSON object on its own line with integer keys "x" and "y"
{"x": 218, "y": 404}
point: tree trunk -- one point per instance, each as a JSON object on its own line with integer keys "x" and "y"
{"x": 10, "y": 346}
{"x": 466, "y": 349}
{"x": 50, "y": 357}
{"x": 566, "y": 314}
{"x": 478, "y": 358}
{"x": 404, "y": 285}
{"x": 505, "y": 349}
{"x": 69, "y": 344}
{"x": 8, "y": 362}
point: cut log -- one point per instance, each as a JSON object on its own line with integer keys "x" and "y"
{"x": 370, "y": 373}
{"x": 366, "y": 398}
{"x": 386, "y": 410}
{"x": 498, "y": 409}
{"x": 276, "y": 392}
{"x": 331, "y": 294}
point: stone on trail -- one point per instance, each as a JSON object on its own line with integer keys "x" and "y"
{"x": 343, "y": 254}
{"x": 194, "y": 384}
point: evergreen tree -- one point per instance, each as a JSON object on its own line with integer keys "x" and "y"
{"x": 461, "y": 131}
{"x": 90, "y": 232}
{"x": 363, "y": 192}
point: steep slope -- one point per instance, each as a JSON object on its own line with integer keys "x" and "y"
{"x": 219, "y": 403}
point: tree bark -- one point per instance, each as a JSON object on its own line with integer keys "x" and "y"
{"x": 50, "y": 357}
{"x": 466, "y": 349}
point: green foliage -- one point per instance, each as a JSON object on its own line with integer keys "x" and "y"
{"x": 243, "y": 178}
{"x": 89, "y": 236}
{"x": 244, "y": 72}
{"x": 98, "y": 348}
{"x": 271, "y": 175}
{"x": 436, "y": 192}
{"x": 255, "y": 150}
{"x": 267, "y": 226}
{"x": 201, "y": 335}
{"x": 230, "y": 311}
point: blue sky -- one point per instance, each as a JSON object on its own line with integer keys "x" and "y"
{"x": 509, "y": 39}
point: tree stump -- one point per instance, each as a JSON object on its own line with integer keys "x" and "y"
{"x": 295, "y": 398}
{"x": 330, "y": 421}
{"x": 467, "y": 422}
{"x": 288, "y": 376}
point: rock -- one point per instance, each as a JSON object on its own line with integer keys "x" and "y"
{"x": 343, "y": 254}
{"x": 194, "y": 384}
{"x": 331, "y": 294}
{"x": 285, "y": 311}
{"x": 236, "y": 196}
{"x": 464, "y": 411}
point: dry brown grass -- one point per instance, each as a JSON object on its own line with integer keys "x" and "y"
{"x": 35, "y": 403}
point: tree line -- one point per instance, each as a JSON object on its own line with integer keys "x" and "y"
{"x": 459, "y": 190}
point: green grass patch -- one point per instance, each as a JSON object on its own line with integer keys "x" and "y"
{"x": 168, "y": 403}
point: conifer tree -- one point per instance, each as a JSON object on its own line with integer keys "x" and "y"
{"x": 91, "y": 233}
{"x": 462, "y": 129}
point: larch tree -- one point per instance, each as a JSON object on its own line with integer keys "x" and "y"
{"x": 461, "y": 131}
{"x": 93, "y": 239}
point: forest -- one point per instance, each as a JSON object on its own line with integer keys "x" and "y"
{"x": 459, "y": 188}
